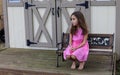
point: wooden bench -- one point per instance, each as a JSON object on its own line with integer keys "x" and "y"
{"x": 99, "y": 44}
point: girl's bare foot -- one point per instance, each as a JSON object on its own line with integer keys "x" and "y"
{"x": 81, "y": 66}
{"x": 73, "y": 66}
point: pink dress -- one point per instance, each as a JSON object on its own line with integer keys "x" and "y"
{"x": 81, "y": 53}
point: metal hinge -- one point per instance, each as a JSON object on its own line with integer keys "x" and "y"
{"x": 28, "y": 5}
{"x": 84, "y": 4}
{"x": 29, "y": 43}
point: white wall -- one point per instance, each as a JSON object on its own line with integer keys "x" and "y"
{"x": 16, "y": 23}
{"x": 103, "y": 19}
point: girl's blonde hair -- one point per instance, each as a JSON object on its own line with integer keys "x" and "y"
{"x": 81, "y": 22}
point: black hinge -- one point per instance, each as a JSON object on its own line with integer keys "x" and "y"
{"x": 83, "y": 4}
{"x": 29, "y": 43}
{"x": 28, "y": 5}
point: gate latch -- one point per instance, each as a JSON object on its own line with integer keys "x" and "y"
{"x": 83, "y": 4}
{"x": 28, "y": 5}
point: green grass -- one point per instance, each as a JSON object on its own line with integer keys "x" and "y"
{"x": 118, "y": 68}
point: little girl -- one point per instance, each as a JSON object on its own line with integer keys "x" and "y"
{"x": 78, "y": 47}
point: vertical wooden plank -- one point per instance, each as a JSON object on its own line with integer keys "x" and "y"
{"x": 1, "y": 3}
{"x": 30, "y": 27}
{"x": 1, "y": 15}
{"x": 7, "y": 44}
{"x": 117, "y": 37}
{"x": 26, "y": 24}
{"x": 58, "y": 17}
{"x": 54, "y": 30}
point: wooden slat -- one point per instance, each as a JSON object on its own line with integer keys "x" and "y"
{"x": 109, "y": 50}
{"x": 103, "y": 3}
{"x": 101, "y": 53}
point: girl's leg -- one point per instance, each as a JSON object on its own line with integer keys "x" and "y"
{"x": 68, "y": 57}
{"x": 73, "y": 66}
{"x": 81, "y": 65}
{"x": 73, "y": 57}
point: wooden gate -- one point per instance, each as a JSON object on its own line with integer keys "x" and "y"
{"x": 41, "y": 28}
{"x": 65, "y": 8}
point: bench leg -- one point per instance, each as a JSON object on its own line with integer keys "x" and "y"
{"x": 57, "y": 64}
{"x": 63, "y": 58}
{"x": 57, "y": 61}
{"x": 114, "y": 65}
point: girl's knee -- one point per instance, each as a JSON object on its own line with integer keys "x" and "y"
{"x": 68, "y": 56}
{"x": 73, "y": 57}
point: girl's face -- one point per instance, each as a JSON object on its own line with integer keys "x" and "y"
{"x": 74, "y": 20}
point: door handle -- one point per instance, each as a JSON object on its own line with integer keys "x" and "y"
{"x": 53, "y": 12}
{"x": 58, "y": 11}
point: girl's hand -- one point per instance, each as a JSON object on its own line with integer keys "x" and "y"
{"x": 70, "y": 45}
{"x": 73, "y": 49}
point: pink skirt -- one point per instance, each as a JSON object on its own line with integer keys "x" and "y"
{"x": 81, "y": 53}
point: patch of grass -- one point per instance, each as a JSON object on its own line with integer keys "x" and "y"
{"x": 118, "y": 68}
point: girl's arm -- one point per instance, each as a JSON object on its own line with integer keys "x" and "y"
{"x": 70, "y": 40}
{"x": 84, "y": 41}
